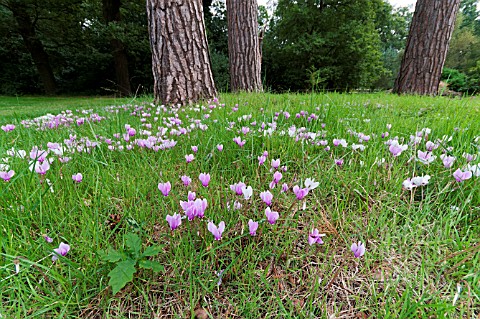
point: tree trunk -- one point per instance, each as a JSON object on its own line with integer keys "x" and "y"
{"x": 244, "y": 46}
{"x": 26, "y": 28}
{"x": 427, "y": 46}
{"x": 111, "y": 13}
{"x": 180, "y": 57}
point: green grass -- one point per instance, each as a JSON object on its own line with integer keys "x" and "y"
{"x": 31, "y": 106}
{"x": 420, "y": 245}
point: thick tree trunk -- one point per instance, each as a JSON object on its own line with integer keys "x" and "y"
{"x": 244, "y": 46}
{"x": 180, "y": 57}
{"x": 427, "y": 46}
{"x": 111, "y": 13}
{"x": 26, "y": 28}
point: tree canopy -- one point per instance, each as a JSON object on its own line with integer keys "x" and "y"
{"x": 305, "y": 44}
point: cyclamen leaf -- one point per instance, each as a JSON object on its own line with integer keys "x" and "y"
{"x": 150, "y": 264}
{"x": 111, "y": 255}
{"x": 121, "y": 275}
{"x": 151, "y": 251}
{"x": 134, "y": 243}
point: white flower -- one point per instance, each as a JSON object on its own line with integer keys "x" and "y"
{"x": 420, "y": 180}
{"x": 475, "y": 169}
{"x": 310, "y": 183}
{"x": 247, "y": 192}
{"x": 360, "y": 147}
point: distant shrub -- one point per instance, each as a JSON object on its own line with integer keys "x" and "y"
{"x": 457, "y": 81}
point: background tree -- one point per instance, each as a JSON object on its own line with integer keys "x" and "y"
{"x": 244, "y": 46}
{"x": 111, "y": 14}
{"x": 215, "y": 14}
{"x": 392, "y": 25}
{"x": 180, "y": 56}
{"x": 323, "y": 44}
{"x": 427, "y": 45}
{"x": 26, "y": 14}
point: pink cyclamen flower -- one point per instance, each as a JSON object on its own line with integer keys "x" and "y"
{"x": 469, "y": 157}
{"x": 47, "y": 239}
{"x": 6, "y": 176}
{"x": 131, "y": 131}
{"x": 266, "y": 197}
{"x": 426, "y": 157}
{"x": 342, "y": 142}
{"x": 461, "y": 176}
{"x": 8, "y": 127}
{"x": 397, "y": 149}
{"x": 252, "y": 227}
{"x": 62, "y": 250}
{"x": 277, "y": 176}
{"x": 165, "y": 188}
{"x": 275, "y": 163}
{"x": 358, "y": 249}
{"x": 300, "y": 193}
{"x": 204, "y": 179}
{"x": 315, "y": 237}
{"x": 284, "y": 188}
{"x": 339, "y": 162}
{"x": 174, "y": 221}
{"x": 189, "y": 158}
{"x": 261, "y": 160}
{"x": 220, "y": 147}
{"x": 216, "y": 231}
{"x": 200, "y": 205}
{"x": 38, "y": 155}
{"x": 447, "y": 160}
{"x": 239, "y": 141}
{"x": 237, "y": 188}
{"x": 188, "y": 208}
{"x": 42, "y": 168}
{"x": 271, "y": 215}
{"x": 430, "y": 146}
{"x": 186, "y": 180}
{"x": 191, "y": 195}
{"x": 77, "y": 178}
{"x": 194, "y": 148}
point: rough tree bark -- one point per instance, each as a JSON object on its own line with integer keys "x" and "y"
{"x": 26, "y": 28}
{"x": 244, "y": 46}
{"x": 427, "y": 45}
{"x": 180, "y": 57}
{"x": 111, "y": 13}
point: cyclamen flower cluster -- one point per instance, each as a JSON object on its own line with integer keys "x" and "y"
{"x": 8, "y": 127}
{"x": 417, "y": 181}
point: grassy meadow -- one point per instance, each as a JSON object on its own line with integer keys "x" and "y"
{"x": 398, "y": 174}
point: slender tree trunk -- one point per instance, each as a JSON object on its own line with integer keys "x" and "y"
{"x": 180, "y": 57}
{"x": 244, "y": 46}
{"x": 26, "y": 28}
{"x": 427, "y": 46}
{"x": 111, "y": 13}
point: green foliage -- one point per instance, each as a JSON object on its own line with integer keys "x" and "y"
{"x": 127, "y": 260}
{"x": 75, "y": 38}
{"x": 336, "y": 40}
{"x": 456, "y": 80}
{"x": 215, "y": 15}
{"x": 464, "y": 48}
{"x": 464, "y": 51}
{"x": 392, "y": 25}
